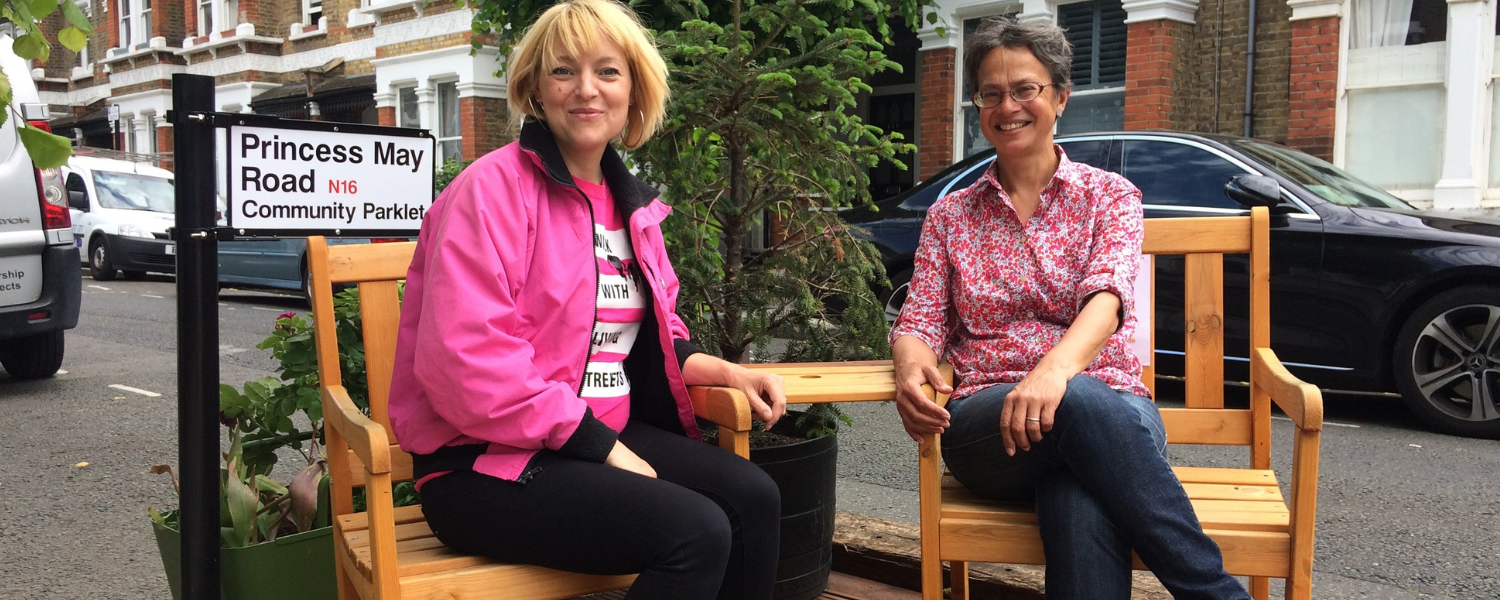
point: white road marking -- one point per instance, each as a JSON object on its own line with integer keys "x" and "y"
{"x": 264, "y": 308}
{"x": 151, "y": 296}
{"x": 142, "y": 392}
{"x": 98, "y": 287}
{"x": 228, "y": 349}
{"x": 1324, "y": 422}
{"x": 62, "y": 372}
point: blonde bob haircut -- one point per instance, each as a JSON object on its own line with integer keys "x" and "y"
{"x": 573, "y": 27}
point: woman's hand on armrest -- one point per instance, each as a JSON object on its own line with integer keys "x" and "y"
{"x": 916, "y": 365}
{"x": 766, "y": 391}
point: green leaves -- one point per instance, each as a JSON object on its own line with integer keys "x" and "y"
{"x": 32, "y": 46}
{"x": 46, "y": 150}
{"x": 72, "y": 38}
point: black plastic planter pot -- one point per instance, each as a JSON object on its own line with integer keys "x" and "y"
{"x": 807, "y": 473}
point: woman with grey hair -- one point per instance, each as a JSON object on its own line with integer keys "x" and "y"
{"x": 1024, "y": 280}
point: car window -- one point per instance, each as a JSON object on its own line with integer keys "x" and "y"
{"x": 75, "y": 183}
{"x": 968, "y": 178}
{"x": 1321, "y": 178}
{"x": 1094, "y": 153}
{"x": 134, "y": 192}
{"x": 1173, "y": 174}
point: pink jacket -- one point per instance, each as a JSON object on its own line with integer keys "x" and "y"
{"x": 499, "y": 314}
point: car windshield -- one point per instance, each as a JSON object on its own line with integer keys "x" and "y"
{"x": 1321, "y": 178}
{"x": 131, "y": 191}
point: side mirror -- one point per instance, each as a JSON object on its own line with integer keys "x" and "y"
{"x": 1253, "y": 190}
{"x": 78, "y": 200}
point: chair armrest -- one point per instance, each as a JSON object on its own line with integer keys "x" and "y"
{"x": 365, "y": 437}
{"x": 1301, "y": 401}
{"x": 725, "y": 407}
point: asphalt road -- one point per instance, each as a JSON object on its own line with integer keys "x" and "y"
{"x": 1403, "y": 512}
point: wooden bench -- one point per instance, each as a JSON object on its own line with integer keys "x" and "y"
{"x": 1261, "y": 533}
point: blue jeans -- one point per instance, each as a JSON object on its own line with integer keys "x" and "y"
{"x": 1102, "y": 486}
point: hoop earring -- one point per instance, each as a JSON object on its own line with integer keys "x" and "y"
{"x": 538, "y": 115}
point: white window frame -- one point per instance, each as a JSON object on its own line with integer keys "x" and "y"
{"x": 134, "y": 21}
{"x": 209, "y": 8}
{"x": 309, "y": 7}
{"x": 401, "y": 108}
{"x": 437, "y": 129}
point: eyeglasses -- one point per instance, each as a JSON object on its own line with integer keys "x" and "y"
{"x": 1025, "y": 92}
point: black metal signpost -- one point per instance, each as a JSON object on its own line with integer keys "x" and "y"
{"x": 197, "y": 335}
{"x": 397, "y": 166}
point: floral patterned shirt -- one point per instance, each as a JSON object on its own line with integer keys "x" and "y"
{"x": 996, "y": 294}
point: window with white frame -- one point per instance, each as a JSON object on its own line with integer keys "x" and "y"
{"x": 127, "y": 131}
{"x": 1097, "y": 32}
{"x": 312, "y": 11}
{"x": 206, "y": 16}
{"x": 151, "y": 132}
{"x": 1396, "y": 93}
{"x": 83, "y": 53}
{"x": 408, "y": 114}
{"x": 134, "y": 19}
{"x": 449, "y": 129}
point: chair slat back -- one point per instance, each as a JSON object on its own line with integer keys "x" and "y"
{"x": 1203, "y": 242}
{"x": 380, "y": 315}
{"x": 377, "y": 269}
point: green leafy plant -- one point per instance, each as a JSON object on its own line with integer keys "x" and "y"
{"x": 46, "y": 150}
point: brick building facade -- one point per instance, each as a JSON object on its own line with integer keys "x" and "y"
{"x": 1405, "y": 104}
{"x": 390, "y": 62}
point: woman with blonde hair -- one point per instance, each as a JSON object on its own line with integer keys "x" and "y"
{"x": 541, "y": 368}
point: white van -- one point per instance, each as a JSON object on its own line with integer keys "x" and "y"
{"x": 39, "y": 275}
{"x": 121, "y": 212}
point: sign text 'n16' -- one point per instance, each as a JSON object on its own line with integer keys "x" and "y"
{"x": 302, "y": 180}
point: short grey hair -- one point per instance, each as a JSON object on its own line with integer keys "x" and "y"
{"x": 1046, "y": 41}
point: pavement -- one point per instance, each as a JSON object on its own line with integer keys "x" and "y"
{"x": 1403, "y": 512}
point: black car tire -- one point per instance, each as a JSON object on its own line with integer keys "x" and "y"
{"x": 895, "y": 297}
{"x": 100, "y": 267}
{"x": 35, "y": 356}
{"x": 1447, "y": 354}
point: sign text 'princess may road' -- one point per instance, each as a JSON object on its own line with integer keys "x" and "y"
{"x": 320, "y": 180}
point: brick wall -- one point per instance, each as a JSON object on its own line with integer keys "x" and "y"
{"x": 461, "y": 38}
{"x": 483, "y": 125}
{"x": 936, "y": 133}
{"x": 1313, "y": 90}
{"x": 164, "y": 138}
{"x": 1215, "y": 89}
{"x": 190, "y": 20}
{"x": 1150, "y": 51}
{"x": 168, "y": 21}
{"x": 387, "y": 115}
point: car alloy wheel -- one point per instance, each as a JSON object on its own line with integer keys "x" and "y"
{"x": 1455, "y": 362}
{"x": 1452, "y": 363}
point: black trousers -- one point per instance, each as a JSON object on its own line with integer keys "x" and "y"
{"x": 707, "y": 527}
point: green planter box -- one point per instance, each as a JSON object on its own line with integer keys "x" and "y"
{"x": 295, "y": 567}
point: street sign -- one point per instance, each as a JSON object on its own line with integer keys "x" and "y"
{"x": 310, "y": 178}
{"x": 114, "y": 112}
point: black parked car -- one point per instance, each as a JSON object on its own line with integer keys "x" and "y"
{"x": 1367, "y": 293}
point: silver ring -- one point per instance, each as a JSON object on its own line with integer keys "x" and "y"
{"x": 1034, "y": 419}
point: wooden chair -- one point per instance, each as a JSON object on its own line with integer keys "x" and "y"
{"x": 387, "y": 553}
{"x": 1262, "y": 535}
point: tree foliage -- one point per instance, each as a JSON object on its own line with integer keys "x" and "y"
{"x": 46, "y": 150}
